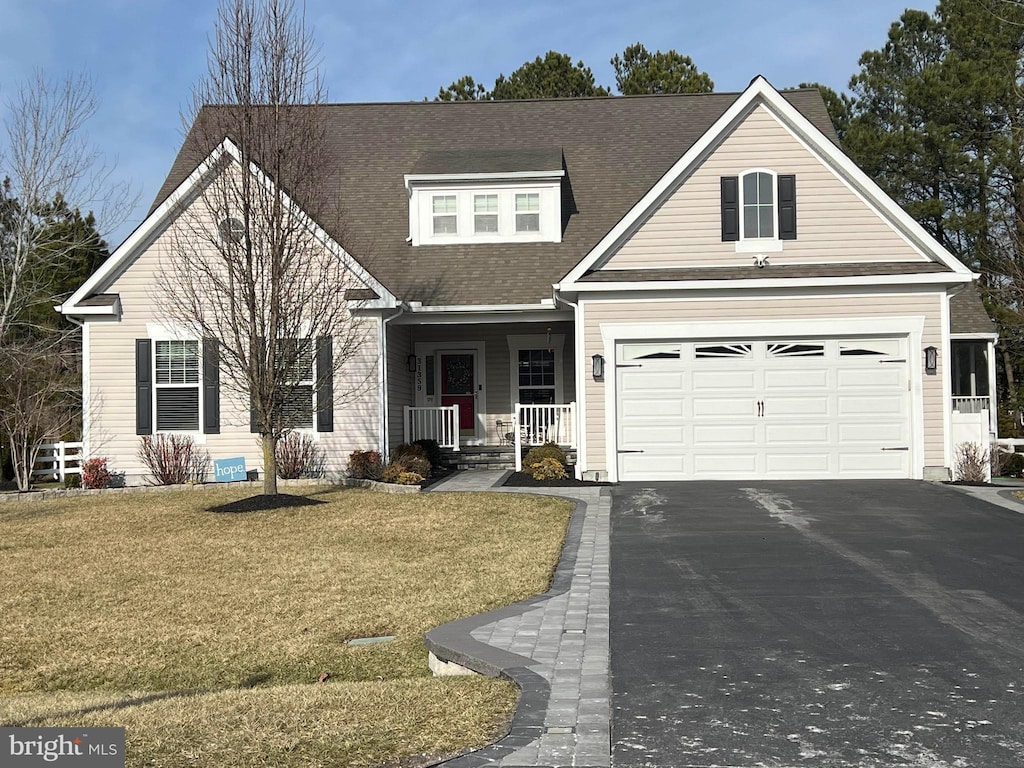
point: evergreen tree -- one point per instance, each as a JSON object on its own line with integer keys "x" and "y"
{"x": 639, "y": 71}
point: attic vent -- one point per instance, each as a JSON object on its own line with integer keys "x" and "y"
{"x": 231, "y": 229}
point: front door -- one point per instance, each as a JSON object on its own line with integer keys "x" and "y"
{"x": 458, "y": 387}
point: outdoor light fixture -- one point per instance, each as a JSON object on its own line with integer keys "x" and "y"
{"x": 410, "y": 363}
{"x": 931, "y": 359}
{"x": 598, "y": 366}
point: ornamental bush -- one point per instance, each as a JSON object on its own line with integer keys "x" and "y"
{"x": 173, "y": 459}
{"x": 299, "y": 456}
{"x": 95, "y": 473}
{"x": 547, "y": 469}
{"x": 546, "y": 451}
{"x": 433, "y": 453}
{"x": 409, "y": 457}
{"x": 365, "y": 465}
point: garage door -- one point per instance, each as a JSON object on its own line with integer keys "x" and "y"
{"x": 774, "y": 408}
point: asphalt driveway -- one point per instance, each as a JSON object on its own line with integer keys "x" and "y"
{"x": 819, "y": 624}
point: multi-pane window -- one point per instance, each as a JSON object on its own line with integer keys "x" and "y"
{"x": 445, "y": 211}
{"x": 528, "y": 212}
{"x": 758, "y": 205}
{"x": 485, "y": 214}
{"x": 177, "y": 386}
{"x": 297, "y": 400}
{"x": 536, "y": 376}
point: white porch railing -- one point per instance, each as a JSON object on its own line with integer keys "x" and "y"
{"x": 58, "y": 460}
{"x": 440, "y": 423}
{"x": 971, "y": 404}
{"x": 539, "y": 424}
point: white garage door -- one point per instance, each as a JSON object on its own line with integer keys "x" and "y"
{"x": 763, "y": 409}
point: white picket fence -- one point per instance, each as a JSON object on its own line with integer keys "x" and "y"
{"x": 435, "y": 423}
{"x": 58, "y": 460}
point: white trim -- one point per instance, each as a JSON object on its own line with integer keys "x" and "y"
{"x": 759, "y": 91}
{"x": 479, "y": 351}
{"x": 946, "y": 370}
{"x": 990, "y": 351}
{"x": 927, "y": 278}
{"x": 459, "y": 316}
{"x": 422, "y": 216}
{"x": 86, "y": 395}
{"x": 198, "y": 435}
{"x": 581, "y": 374}
{"x": 110, "y": 269}
{"x": 909, "y": 326}
{"x": 791, "y": 261}
{"x": 974, "y": 336}
{"x": 554, "y": 342}
{"x": 382, "y": 383}
{"x": 412, "y": 179}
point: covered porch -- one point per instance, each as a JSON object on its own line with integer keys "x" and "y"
{"x": 502, "y": 381}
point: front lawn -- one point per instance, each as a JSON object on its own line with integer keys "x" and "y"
{"x": 204, "y": 633}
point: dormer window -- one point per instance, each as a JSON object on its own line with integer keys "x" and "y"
{"x": 486, "y": 196}
{"x": 528, "y": 212}
{"x": 446, "y": 219}
{"x": 758, "y": 210}
{"x": 485, "y": 214}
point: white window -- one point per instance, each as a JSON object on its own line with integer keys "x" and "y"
{"x": 536, "y": 376}
{"x": 446, "y": 218}
{"x": 485, "y": 214}
{"x": 757, "y": 190}
{"x": 177, "y": 386}
{"x": 297, "y": 401}
{"x": 528, "y": 212}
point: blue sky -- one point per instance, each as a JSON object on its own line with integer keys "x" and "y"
{"x": 145, "y": 55}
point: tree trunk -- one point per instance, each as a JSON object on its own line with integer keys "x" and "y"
{"x": 269, "y": 465}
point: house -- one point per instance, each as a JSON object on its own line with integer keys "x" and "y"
{"x": 675, "y": 287}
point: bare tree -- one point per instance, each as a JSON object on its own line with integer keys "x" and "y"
{"x": 50, "y": 174}
{"x": 250, "y": 266}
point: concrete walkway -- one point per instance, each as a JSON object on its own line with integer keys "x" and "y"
{"x": 554, "y": 646}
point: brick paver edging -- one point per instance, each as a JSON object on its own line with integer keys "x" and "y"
{"x": 453, "y": 642}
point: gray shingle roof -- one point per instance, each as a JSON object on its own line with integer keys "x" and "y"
{"x": 615, "y": 149}
{"x": 862, "y": 269}
{"x": 967, "y": 314}
{"x": 457, "y": 161}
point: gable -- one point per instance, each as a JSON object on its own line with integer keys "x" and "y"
{"x": 835, "y": 225}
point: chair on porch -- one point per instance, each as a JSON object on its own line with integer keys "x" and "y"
{"x": 506, "y": 435}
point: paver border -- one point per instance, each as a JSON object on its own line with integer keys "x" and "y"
{"x": 453, "y": 642}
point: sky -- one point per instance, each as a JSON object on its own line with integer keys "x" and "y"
{"x": 144, "y": 56}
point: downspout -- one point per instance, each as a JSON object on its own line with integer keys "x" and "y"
{"x": 580, "y": 382}
{"x": 384, "y": 377}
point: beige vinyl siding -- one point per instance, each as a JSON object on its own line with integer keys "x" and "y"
{"x": 111, "y": 396}
{"x": 834, "y": 225}
{"x": 497, "y": 364}
{"x": 927, "y": 304}
{"x": 400, "y": 381}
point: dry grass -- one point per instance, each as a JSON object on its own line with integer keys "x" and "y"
{"x": 235, "y": 616}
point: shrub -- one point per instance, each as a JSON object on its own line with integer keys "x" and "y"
{"x": 95, "y": 473}
{"x": 299, "y": 456}
{"x": 72, "y": 481}
{"x": 1008, "y": 464}
{"x": 410, "y": 458}
{"x": 173, "y": 459}
{"x": 971, "y": 463}
{"x": 409, "y": 478}
{"x": 547, "y": 469}
{"x": 546, "y": 451}
{"x": 434, "y": 455}
{"x": 365, "y": 465}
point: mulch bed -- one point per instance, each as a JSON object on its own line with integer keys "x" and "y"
{"x": 523, "y": 480}
{"x": 263, "y": 503}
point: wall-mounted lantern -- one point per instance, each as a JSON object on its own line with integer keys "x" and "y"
{"x": 598, "y": 366}
{"x": 931, "y": 360}
{"x": 410, "y": 363}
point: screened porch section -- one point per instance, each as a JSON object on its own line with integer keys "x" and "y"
{"x": 972, "y": 377}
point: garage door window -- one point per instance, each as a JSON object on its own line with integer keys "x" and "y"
{"x": 651, "y": 352}
{"x": 786, "y": 349}
{"x": 869, "y": 347}
{"x": 724, "y": 350}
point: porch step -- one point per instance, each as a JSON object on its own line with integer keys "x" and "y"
{"x": 488, "y": 457}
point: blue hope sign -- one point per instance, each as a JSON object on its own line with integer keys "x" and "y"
{"x": 229, "y": 470}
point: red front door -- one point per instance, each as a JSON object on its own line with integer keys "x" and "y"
{"x": 458, "y": 387}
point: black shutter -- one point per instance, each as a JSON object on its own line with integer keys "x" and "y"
{"x": 787, "y": 207}
{"x": 324, "y": 384}
{"x": 211, "y": 387}
{"x": 143, "y": 387}
{"x": 730, "y": 208}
